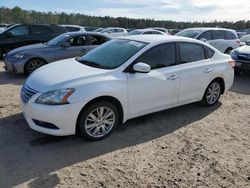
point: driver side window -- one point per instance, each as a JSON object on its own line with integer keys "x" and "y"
{"x": 20, "y": 30}
{"x": 160, "y": 56}
{"x": 77, "y": 41}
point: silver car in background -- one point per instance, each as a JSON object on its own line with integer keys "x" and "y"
{"x": 225, "y": 40}
{"x": 68, "y": 45}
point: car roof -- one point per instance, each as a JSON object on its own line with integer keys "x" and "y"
{"x": 77, "y": 33}
{"x": 209, "y": 28}
{"x": 153, "y": 39}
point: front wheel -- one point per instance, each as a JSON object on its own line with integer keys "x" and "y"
{"x": 32, "y": 65}
{"x": 212, "y": 93}
{"x": 98, "y": 120}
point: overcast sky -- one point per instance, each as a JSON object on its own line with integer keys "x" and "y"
{"x": 177, "y": 10}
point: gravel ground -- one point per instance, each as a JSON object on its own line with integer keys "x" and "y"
{"x": 188, "y": 146}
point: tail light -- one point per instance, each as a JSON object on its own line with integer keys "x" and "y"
{"x": 232, "y": 63}
{"x": 238, "y": 41}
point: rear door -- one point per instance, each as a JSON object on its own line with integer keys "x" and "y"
{"x": 218, "y": 40}
{"x": 158, "y": 89}
{"x": 41, "y": 33}
{"x": 195, "y": 70}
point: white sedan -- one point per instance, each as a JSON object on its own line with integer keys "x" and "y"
{"x": 122, "y": 79}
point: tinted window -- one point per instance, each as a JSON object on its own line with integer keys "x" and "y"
{"x": 20, "y": 30}
{"x": 71, "y": 29}
{"x": 190, "y": 52}
{"x": 209, "y": 52}
{"x": 59, "y": 39}
{"x": 159, "y": 56}
{"x": 97, "y": 40}
{"x": 40, "y": 29}
{"x": 217, "y": 34}
{"x": 112, "y": 54}
{"x": 229, "y": 35}
{"x": 189, "y": 33}
{"x": 77, "y": 41}
{"x": 206, "y": 35}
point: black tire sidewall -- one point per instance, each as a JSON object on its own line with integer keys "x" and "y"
{"x": 81, "y": 122}
{"x": 204, "y": 99}
{"x": 26, "y": 71}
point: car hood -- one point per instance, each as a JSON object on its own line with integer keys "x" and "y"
{"x": 67, "y": 73}
{"x": 243, "y": 50}
{"x": 29, "y": 47}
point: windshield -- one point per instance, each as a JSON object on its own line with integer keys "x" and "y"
{"x": 112, "y": 54}
{"x": 56, "y": 41}
{"x": 245, "y": 38}
{"x": 189, "y": 33}
{"x": 135, "y": 32}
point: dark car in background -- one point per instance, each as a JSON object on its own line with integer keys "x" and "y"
{"x": 68, "y": 45}
{"x": 24, "y": 34}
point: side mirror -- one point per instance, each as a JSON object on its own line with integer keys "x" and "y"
{"x": 203, "y": 39}
{"x": 9, "y": 34}
{"x": 248, "y": 43}
{"x": 141, "y": 67}
{"x": 65, "y": 45}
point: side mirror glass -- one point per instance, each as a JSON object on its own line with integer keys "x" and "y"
{"x": 66, "y": 45}
{"x": 9, "y": 34}
{"x": 203, "y": 39}
{"x": 141, "y": 67}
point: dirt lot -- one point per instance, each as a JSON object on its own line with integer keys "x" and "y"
{"x": 190, "y": 146}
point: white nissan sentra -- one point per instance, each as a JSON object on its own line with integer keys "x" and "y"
{"x": 124, "y": 78}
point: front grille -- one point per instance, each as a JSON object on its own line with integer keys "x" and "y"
{"x": 27, "y": 93}
{"x": 244, "y": 57}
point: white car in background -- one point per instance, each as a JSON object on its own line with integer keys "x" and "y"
{"x": 225, "y": 40}
{"x": 122, "y": 79}
{"x": 72, "y": 28}
{"x": 114, "y": 31}
{"x": 244, "y": 39}
{"x": 146, "y": 31}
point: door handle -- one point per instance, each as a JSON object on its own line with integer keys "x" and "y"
{"x": 173, "y": 77}
{"x": 208, "y": 70}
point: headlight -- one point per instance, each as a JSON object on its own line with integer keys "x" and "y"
{"x": 18, "y": 56}
{"x": 234, "y": 55}
{"x": 56, "y": 97}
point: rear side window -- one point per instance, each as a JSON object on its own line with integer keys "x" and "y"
{"x": 206, "y": 35}
{"x": 230, "y": 35}
{"x": 159, "y": 56}
{"x": 209, "y": 52}
{"x": 40, "y": 30}
{"x": 190, "y": 52}
{"x": 97, "y": 40}
{"x": 77, "y": 41}
{"x": 218, "y": 34}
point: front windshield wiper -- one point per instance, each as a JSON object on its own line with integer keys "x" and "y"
{"x": 92, "y": 64}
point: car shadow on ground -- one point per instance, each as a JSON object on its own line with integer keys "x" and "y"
{"x": 28, "y": 155}
{"x": 241, "y": 84}
{"x": 9, "y": 78}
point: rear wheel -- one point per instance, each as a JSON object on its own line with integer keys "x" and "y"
{"x": 98, "y": 120}
{"x": 212, "y": 93}
{"x": 228, "y": 51}
{"x": 32, "y": 65}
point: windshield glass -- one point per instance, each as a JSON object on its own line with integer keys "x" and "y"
{"x": 112, "y": 54}
{"x": 135, "y": 32}
{"x": 189, "y": 33}
{"x": 245, "y": 38}
{"x": 56, "y": 41}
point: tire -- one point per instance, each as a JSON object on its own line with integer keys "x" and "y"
{"x": 214, "y": 91}
{"x": 93, "y": 127}
{"x": 228, "y": 51}
{"x": 32, "y": 65}
{"x": 1, "y": 53}
{"x": 237, "y": 72}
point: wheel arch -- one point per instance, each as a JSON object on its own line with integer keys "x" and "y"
{"x": 40, "y": 58}
{"x": 222, "y": 83}
{"x": 111, "y": 99}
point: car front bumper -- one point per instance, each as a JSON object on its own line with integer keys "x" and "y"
{"x": 14, "y": 65}
{"x": 63, "y": 117}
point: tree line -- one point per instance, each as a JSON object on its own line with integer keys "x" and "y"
{"x": 18, "y": 15}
